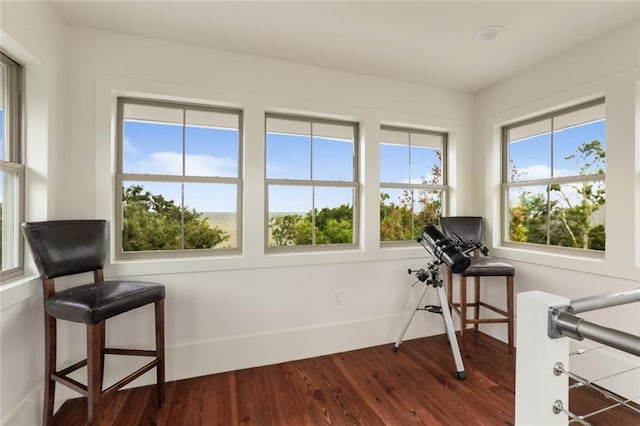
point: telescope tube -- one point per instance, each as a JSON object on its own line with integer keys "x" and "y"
{"x": 444, "y": 249}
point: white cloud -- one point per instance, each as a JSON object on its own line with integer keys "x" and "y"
{"x": 540, "y": 171}
{"x": 166, "y": 162}
{"x": 208, "y": 165}
{"x": 129, "y": 148}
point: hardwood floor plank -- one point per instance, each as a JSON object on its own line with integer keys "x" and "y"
{"x": 381, "y": 388}
{"x": 351, "y": 408}
{"x": 308, "y": 396}
{"x": 219, "y": 400}
{"x": 374, "y": 387}
{"x": 132, "y": 410}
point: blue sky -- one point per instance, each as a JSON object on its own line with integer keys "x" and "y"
{"x": 152, "y": 148}
{"x": 395, "y": 160}
{"x": 157, "y": 148}
{"x": 532, "y": 156}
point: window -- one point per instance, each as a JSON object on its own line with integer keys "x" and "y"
{"x": 554, "y": 178}
{"x": 179, "y": 174}
{"x": 312, "y": 182}
{"x": 412, "y": 181}
{"x": 11, "y": 167}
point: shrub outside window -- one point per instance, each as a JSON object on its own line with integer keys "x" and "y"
{"x": 554, "y": 178}
{"x": 178, "y": 177}
{"x": 311, "y": 183}
{"x": 11, "y": 168}
{"x": 412, "y": 182}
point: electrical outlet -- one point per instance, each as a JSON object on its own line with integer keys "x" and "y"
{"x": 337, "y": 297}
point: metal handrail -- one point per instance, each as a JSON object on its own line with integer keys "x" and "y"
{"x": 606, "y": 300}
{"x": 563, "y": 322}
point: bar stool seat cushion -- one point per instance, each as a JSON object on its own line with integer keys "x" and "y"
{"x": 95, "y": 302}
{"x": 487, "y": 267}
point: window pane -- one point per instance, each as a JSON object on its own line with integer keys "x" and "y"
{"x": 333, "y": 159}
{"x": 579, "y": 150}
{"x": 9, "y": 219}
{"x": 528, "y": 214}
{"x": 530, "y": 152}
{"x": 394, "y": 163}
{"x": 427, "y": 208}
{"x": 396, "y": 214}
{"x": 577, "y": 215}
{"x": 210, "y": 215}
{"x": 211, "y": 151}
{"x": 290, "y": 215}
{"x": 404, "y": 212}
{"x": 152, "y": 148}
{"x": 288, "y": 156}
{"x": 151, "y": 216}
{"x": 334, "y": 215}
{"x": 426, "y": 165}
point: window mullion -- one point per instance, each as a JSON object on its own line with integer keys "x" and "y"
{"x": 184, "y": 168}
{"x": 313, "y": 187}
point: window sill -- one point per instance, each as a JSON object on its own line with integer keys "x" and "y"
{"x": 18, "y": 290}
{"x": 149, "y": 267}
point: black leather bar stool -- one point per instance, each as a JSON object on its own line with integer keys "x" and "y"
{"x": 470, "y": 228}
{"x": 70, "y": 247}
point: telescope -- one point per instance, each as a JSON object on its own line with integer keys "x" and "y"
{"x": 444, "y": 249}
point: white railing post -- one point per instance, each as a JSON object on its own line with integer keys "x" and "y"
{"x": 537, "y": 387}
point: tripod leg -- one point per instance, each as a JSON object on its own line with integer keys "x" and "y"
{"x": 451, "y": 333}
{"x": 406, "y": 327}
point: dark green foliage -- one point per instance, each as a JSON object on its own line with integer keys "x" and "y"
{"x": 332, "y": 226}
{"x": 151, "y": 222}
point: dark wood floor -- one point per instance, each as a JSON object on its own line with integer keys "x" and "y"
{"x": 373, "y": 386}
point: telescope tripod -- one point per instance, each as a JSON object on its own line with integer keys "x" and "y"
{"x": 430, "y": 277}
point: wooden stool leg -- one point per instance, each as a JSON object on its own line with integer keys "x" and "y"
{"x": 463, "y": 311}
{"x": 103, "y": 341}
{"x": 510, "y": 313}
{"x": 476, "y": 314}
{"x": 50, "y": 348}
{"x": 94, "y": 375}
{"x": 159, "y": 308}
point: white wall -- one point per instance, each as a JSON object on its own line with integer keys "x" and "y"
{"x": 607, "y": 66}
{"x": 234, "y": 311}
{"x": 32, "y": 34}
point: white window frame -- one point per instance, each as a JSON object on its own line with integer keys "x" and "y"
{"x": 121, "y": 177}
{"x": 443, "y": 187}
{"x": 506, "y": 185}
{"x": 12, "y": 241}
{"x": 354, "y": 184}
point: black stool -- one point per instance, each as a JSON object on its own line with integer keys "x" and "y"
{"x": 69, "y": 247}
{"x": 471, "y": 228}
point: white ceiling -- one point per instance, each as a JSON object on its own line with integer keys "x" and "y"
{"x": 431, "y": 42}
